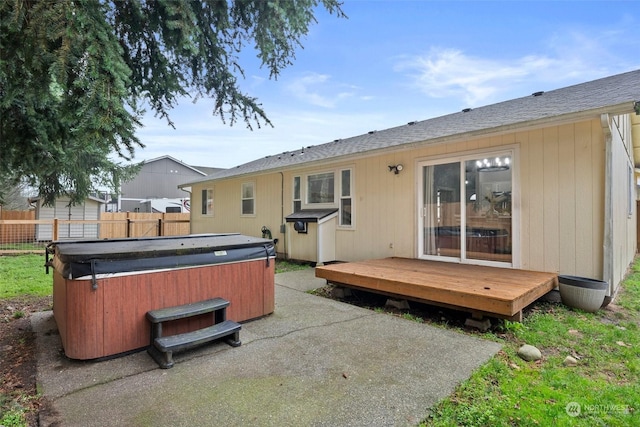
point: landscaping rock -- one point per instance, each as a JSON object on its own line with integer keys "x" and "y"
{"x": 570, "y": 361}
{"x": 529, "y": 353}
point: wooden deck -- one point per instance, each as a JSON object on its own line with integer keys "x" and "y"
{"x": 480, "y": 290}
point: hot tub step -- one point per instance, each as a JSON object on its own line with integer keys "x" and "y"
{"x": 163, "y": 347}
{"x": 180, "y": 312}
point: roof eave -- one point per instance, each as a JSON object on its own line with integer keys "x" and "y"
{"x": 616, "y": 109}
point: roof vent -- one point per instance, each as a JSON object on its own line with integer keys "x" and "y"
{"x": 371, "y": 132}
{"x": 466, "y": 110}
{"x": 537, "y": 93}
{"x": 411, "y": 123}
{"x": 336, "y": 140}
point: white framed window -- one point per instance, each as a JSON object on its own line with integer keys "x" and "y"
{"x": 297, "y": 199}
{"x": 346, "y": 201}
{"x": 248, "y": 199}
{"x": 207, "y": 201}
{"x": 321, "y": 188}
{"x": 328, "y": 189}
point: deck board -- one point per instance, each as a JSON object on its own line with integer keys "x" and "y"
{"x": 503, "y": 292}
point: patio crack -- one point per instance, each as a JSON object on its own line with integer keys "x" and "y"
{"x": 337, "y": 322}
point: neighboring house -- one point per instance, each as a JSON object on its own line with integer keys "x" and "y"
{"x": 544, "y": 182}
{"x": 158, "y": 179}
{"x": 89, "y": 210}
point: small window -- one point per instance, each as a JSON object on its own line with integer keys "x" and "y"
{"x": 320, "y": 188}
{"x": 345, "y": 198}
{"x": 248, "y": 198}
{"x": 207, "y": 201}
{"x": 297, "y": 201}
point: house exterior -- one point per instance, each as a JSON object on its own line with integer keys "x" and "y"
{"x": 62, "y": 209}
{"x": 544, "y": 183}
{"x": 158, "y": 179}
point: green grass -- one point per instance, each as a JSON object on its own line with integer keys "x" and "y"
{"x": 605, "y": 384}
{"x": 22, "y": 275}
{"x": 285, "y": 266}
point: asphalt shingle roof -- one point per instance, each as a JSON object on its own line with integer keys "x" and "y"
{"x": 615, "y": 94}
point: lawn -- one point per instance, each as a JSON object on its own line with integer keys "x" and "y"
{"x": 603, "y": 389}
{"x": 24, "y": 275}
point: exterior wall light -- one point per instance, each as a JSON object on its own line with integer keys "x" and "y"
{"x": 395, "y": 168}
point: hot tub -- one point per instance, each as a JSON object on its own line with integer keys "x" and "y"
{"x": 102, "y": 289}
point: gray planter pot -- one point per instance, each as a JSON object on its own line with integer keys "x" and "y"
{"x": 581, "y": 292}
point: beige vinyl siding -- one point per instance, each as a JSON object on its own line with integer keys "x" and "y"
{"x": 303, "y": 246}
{"x": 227, "y": 202}
{"x": 559, "y": 172}
{"x": 327, "y": 240}
{"x": 562, "y": 198}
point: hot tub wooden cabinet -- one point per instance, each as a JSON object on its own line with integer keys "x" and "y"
{"x": 103, "y": 289}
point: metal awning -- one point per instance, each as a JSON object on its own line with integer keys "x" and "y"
{"x": 310, "y": 215}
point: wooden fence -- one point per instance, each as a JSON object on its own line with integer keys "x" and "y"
{"x": 16, "y": 233}
{"x": 134, "y": 224}
{"x": 20, "y": 231}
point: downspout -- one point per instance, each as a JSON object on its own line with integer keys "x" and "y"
{"x": 283, "y": 227}
{"x": 607, "y": 261}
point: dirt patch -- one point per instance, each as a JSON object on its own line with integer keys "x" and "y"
{"x": 18, "y": 356}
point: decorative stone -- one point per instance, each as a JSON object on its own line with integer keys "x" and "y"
{"x": 400, "y": 304}
{"x": 570, "y": 361}
{"x": 529, "y": 353}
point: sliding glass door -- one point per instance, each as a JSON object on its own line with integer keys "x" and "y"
{"x": 466, "y": 210}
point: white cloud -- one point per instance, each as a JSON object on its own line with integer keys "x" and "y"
{"x": 319, "y": 90}
{"x": 308, "y": 87}
{"x": 444, "y": 73}
{"x": 571, "y": 56}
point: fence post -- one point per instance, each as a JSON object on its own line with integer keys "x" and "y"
{"x": 54, "y": 232}
{"x": 160, "y": 233}
{"x": 128, "y": 227}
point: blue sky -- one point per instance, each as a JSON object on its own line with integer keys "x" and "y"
{"x": 392, "y": 62}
